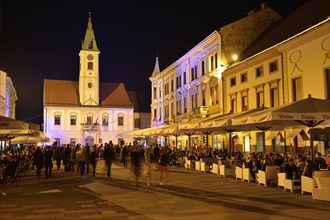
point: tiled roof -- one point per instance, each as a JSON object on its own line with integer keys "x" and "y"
{"x": 65, "y": 93}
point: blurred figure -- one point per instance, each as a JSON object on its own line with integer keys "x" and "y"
{"x": 109, "y": 156}
{"x": 48, "y": 154}
{"x": 163, "y": 164}
{"x": 38, "y": 160}
{"x": 136, "y": 161}
{"x": 124, "y": 154}
{"x": 81, "y": 156}
{"x": 93, "y": 158}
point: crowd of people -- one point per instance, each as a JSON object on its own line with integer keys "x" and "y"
{"x": 142, "y": 160}
{"x": 82, "y": 160}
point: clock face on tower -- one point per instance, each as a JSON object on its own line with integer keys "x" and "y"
{"x": 90, "y": 85}
{"x": 90, "y": 56}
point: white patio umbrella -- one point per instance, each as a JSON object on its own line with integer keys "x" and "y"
{"x": 309, "y": 112}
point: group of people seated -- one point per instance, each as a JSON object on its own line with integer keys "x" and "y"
{"x": 293, "y": 166}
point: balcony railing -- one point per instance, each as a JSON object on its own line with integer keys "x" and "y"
{"x": 201, "y": 111}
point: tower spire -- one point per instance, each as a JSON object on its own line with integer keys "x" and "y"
{"x": 156, "y": 68}
{"x": 89, "y": 42}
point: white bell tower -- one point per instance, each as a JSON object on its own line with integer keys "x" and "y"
{"x": 89, "y": 69}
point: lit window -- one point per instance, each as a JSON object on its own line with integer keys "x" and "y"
{"x": 57, "y": 120}
{"x": 105, "y": 120}
{"x": 120, "y": 121}
{"x": 89, "y": 120}
{"x": 73, "y": 120}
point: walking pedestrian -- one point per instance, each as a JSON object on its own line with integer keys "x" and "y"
{"x": 109, "y": 156}
{"x": 92, "y": 158}
{"x": 163, "y": 165}
{"x": 48, "y": 154}
{"x": 81, "y": 156}
{"x": 124, "y": 154}
{"x": 136, "y": 160}
{"x": 38, "y": 160}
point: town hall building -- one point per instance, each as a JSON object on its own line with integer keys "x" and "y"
{"x": 88, "y": 111}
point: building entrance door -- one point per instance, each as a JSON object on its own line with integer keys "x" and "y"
{"x": 89, "y": 140}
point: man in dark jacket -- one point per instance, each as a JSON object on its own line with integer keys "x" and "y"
{"x": 38, "y": 160}
{"x": 48, "y": 154}
{"x": 109, "y": 156}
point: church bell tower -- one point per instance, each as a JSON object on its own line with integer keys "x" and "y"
{"x": 89, "y": 68}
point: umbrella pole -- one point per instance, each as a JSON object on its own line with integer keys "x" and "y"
{"x": 312, "y": 143}
{"x": 229, "y": 148}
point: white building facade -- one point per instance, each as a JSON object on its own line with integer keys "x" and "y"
{"x": 88, "y": 111}
{"x": 281, "y": 63}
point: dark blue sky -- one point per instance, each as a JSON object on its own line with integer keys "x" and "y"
{"x": 42, "y": 39}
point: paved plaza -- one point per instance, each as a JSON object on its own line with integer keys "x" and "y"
{"x": 186, "y": 194}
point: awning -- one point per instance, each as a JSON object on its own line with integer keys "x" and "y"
{"x": 302, "y": 133}
{"x": 273, "y": 134}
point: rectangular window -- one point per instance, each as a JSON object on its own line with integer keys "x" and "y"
{"x": 57, "y": 120}
{"x": 105, "y": 120}
{"x": 216, "y": 61}
{"x": 167, "y": 110}
{"x": 327, "y": 82}
{"x": 160, "y": 93}
{"x": 203, "y": 98}
{"x": 244, "y": 103}
{"x": 73, "y": 141}
{"x": 172, "y": 109}
{"x": 155, "y": 114}
{"x": 160, "y": 114}
{"x": 212, "y": 63}
{"x": 120, "y": 121}
{"x": 212, "y": 95}
{"x": 194, "y": 101}
{"x": 233, "y": 105}
{"x": 243, "y": 77}
{"x": 192, "y": 70}
{"x": 73, "y": 120}
{"x": 233, "y": 81}
{"x": 155, "y": 93}
{"x": 184, "y": 78}
{"x": 137, "y": 123}
{"x": 259, "y": 72}
{"x": 216, "y": 94}
{"x": 203, "y": 68}
{"x": 297, "y": 89}
{"x": 185, "y": 105}
{"x": 89, "y": 120}
{"x": 90, "y": 65}
{"x": 273, "y": 66}
{"x": 172, "y": 85}
{"x": 196, "y": 73}
{"x": 178, "y": 107}
{"x": 260, "y": 99}
{"x": 274, "y": 97}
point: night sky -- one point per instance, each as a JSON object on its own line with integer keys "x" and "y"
{"x": 41, "y": 39}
